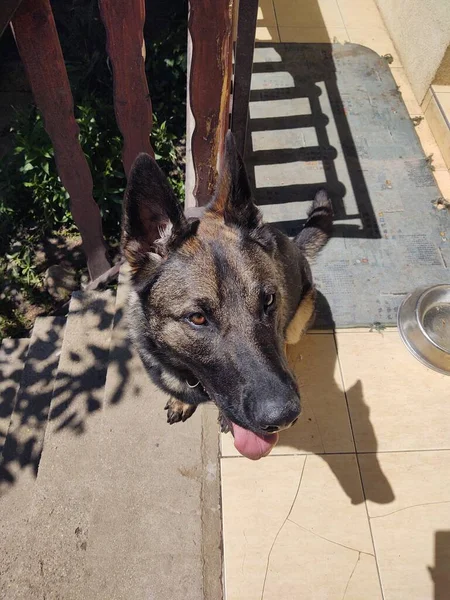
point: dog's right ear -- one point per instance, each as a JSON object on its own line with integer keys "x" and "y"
{"x": 152, "y": 221}
{"x": 318, "y": 227}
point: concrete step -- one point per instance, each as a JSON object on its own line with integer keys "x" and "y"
{"x": 51, "y": 558}
{"x": 155, "y": 531}
{"x": 23, "y": 445}
{"x": 12, "y": 358}
{"x": 124, "y": 505}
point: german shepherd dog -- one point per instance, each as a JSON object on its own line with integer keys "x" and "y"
{"x": 214, "y": 300}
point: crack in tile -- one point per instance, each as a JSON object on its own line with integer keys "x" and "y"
{"x": 281, "y": 527}
{"x": 408, "y": 507}
{"x": 328, "y": 540}
{"x": 351, "y": 575}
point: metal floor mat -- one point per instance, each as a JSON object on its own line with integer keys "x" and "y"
{"x": 330, "y": 116}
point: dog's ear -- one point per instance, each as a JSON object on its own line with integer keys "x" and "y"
{"x": 153, "y": 222}
{"x": 233, "y": 197}
{"x": 318, "y": 227}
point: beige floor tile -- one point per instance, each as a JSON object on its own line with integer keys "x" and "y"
{"x": 266, "y": 14}
{"x": 412, "y": 534}
{"x": 429, "y": 144}
{"x": 256, "y": 497}
{"x": 267, "y": 34}
{"x": 308, "y": 13}
{"x": 377, "y": 40}
{"x": 443, "y": 181}
{"x": 405, "y": 89}
{"x": 314, "y": 35}
{"x": 227, "y": 446}
{"x": 362, "y": 13}
{"x": 324, "y": 425}
{"x": 290, "y": 530}
{"x": 395, "y": 402}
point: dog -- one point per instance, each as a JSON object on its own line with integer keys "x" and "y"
{"x": 214, "y": 300}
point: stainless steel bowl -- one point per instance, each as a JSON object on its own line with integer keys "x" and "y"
{"x": 424, "y": 325}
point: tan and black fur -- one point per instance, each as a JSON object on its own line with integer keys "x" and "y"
{"x": 250, "y": 283}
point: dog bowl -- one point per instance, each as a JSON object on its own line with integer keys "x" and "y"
{"x": 424, "y": 325}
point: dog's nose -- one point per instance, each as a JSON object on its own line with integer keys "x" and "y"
{"x": 275, "y": 428}
{"x": 275, "y": 417}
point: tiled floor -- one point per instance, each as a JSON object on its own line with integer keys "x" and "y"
{"x": 315, "y": 520}
{"x": 354, "y": 501}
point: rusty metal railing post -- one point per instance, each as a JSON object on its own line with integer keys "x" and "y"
{"x": 243, "y": 63}
{"x": 39, "y": 48}
{"x": 208, "y": 100}
{"x": 124, "y": 24}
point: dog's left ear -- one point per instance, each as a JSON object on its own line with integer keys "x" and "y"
{"x": 153, "y": 221}
{"x": 233, "y": 197}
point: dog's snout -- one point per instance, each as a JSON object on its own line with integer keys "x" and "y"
{"x": 269, "y": 428}
{"x": 275, "y": 416}
{"x": 280, "y": 427}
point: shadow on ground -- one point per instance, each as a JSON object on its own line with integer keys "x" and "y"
{"x": 311, "y": 145}
{"x": 440, "y": 572}
{"x": 64, "y": 397}
{"x": 296, "y": 438}
{"x": 61, "y": 394}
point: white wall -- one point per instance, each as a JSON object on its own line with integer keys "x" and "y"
{"x": 420, "y": 30}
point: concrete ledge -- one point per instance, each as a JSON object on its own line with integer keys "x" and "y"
{"x": 12, "y": 358}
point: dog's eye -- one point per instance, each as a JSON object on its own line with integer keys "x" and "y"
{"x": 269, "y": 301}
{"x": 197, "y": 319}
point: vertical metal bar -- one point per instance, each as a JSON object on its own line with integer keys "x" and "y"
{"x": 39, "y": 48}
{"x": 124, "y": 24}
{"x": 243, "y": 63}
{"x": 189, "y": 186}
{"x": 208, "y": 93}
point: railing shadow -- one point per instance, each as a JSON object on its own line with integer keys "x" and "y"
{"x": 60, "y": 393}
{"x": 300, "y": 140}
{"x": 440, "y": 573}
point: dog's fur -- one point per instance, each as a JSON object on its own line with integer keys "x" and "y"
{"x": 227, "y": 267}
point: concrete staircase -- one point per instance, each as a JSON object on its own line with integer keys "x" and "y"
{"x": 100, "y": 499}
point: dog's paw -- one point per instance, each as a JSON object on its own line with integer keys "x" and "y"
{"x": 178, "y": 411}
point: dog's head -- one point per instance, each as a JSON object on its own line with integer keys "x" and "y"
{"x": 213, "y": 296}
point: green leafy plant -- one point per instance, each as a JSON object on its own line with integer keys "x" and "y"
{"x": 30, "y": 188}
{"x": 33, "y": 202}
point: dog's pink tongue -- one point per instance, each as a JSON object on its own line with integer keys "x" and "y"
{"x": 251, "y": 445}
